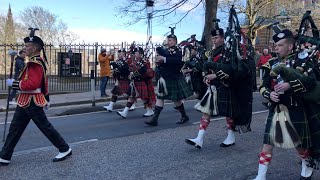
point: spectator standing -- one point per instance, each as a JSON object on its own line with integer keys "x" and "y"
{"x": 263, "y": 59}
{"x": 18, "y": 66}
{"x": 105, "y": 70}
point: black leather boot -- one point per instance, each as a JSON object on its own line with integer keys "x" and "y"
{"x": 184, "y": 117}
{"x": 154, "y": 120}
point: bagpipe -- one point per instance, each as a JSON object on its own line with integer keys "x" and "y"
{"x": 148, "y": 53}
{"x": 306, "y": 58}
{"x": 188, "y": 44}
{"x": 305, "y": 68}
{"x": 234, "y": 51}
{"x": 237, "y": 50}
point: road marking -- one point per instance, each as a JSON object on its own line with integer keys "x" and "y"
{"x": 7, "y": 123}
{"x": 48, "y": 148}
{"x": 222, "y": 118}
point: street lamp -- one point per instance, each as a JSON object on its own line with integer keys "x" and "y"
{"x": 149, "y": 4}
{"x": 149, "y": 45}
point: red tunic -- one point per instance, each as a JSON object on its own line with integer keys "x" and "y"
{"x": 33, "y": 84}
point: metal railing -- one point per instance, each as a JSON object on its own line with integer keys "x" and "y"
{"x": 69, "y": 65}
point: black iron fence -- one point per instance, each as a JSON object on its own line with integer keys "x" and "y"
{"x": 69, "y": 65}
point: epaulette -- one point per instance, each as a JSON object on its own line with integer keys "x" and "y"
{"x": 40, "y": 61}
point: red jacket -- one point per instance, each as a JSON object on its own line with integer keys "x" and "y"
{"x": 263, "y": 59}
{"x": 32, "y": 83}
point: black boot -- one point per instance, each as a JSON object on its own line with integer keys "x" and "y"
{"x": 154, "y": 120}
{"x": 184, "y": 117}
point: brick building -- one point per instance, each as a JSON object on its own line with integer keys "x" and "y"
{"x": 289, "y": 15}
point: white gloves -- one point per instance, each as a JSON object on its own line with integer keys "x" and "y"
{"x": 10, "y": 82}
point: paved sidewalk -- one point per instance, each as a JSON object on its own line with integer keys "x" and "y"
{"x": 68, "y": 99}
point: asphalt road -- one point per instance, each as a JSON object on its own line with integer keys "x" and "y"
{"x": 106, "y": 146}
{"x": 100, "y": 125}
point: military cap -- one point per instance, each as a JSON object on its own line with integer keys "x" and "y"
{"x": 34, "y": 39}
{"x": 217, "y": 32}
{"x": 284, "y": 34}
{"x": 122, "y": 50}
{"x": 139, "y": 49}
{"x": 172, "y": 36}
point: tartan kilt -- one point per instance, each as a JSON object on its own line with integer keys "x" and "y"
{"x": 151, "y": 93}
{"x": 142, "y": 89}
{"x": 178, "y": 89}
{"x": 124, "y": 85}
{"x": 224, "y": 101}
{"x": 198, "y": 85}
{"x": 299, "y": 121}
{"x": 313, "y": 114}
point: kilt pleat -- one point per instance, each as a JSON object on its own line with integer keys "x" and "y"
{"x": 142, "y": 89}
{"x": 124, "y": 85}
{"x": 225, "y": 101}
{"x": 151, "y": 93}
{"x": 178, "y": 89}
{"x": 198, "y": 85}
{"x": 313, "y": 113}
{"x": 299, "y": 121}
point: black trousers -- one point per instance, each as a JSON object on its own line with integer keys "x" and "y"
{"x": 19, "y": 123}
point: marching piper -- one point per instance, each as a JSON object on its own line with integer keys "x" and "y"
{"x": 171, "y": 83}
{"x": 140, "y": 85}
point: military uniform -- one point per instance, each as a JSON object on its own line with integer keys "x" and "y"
{"x": 294, "y": 104}
{"x": 222, "y": 97}
{"x": 291, "y": 122}
{"x": 196, "y": 79}
{"x": 171, "y": 82}
{"x": 140, "y": 85}
{"x": 309, "y": 77}
{"x": 33, "y": 96}
{"x": 120, "y": 73}
{"x": 175, "y": 87}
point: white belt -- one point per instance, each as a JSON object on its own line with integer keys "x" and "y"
{"x": 38, "y": 90}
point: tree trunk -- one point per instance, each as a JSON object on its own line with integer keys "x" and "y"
{"x": 211, "y": 7}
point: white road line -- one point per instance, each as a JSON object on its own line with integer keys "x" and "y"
{"x": 19, "y": 153}
{"x": 7, "y": 123}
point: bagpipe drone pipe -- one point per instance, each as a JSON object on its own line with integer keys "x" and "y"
{"x": 235, "y": 52}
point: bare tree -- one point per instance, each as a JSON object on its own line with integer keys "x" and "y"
{"x": 294, "y": 10}
{"x": 51, "y": 28}
{"x": 256, "y": 17}
{"x": 169, "y": 8}
{"x": 2, "y": 24}
{"x": 260, "y": 14}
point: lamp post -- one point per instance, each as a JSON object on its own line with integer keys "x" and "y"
{"x": 149, "y": 4}
{"x": 149, "y": 45}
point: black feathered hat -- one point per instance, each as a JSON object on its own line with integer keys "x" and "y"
{"x": 172, "y": 33}
{"x": 32, "y": 38}
{"x": 217, "y": 32}
{"x": 139, "y": 49}
{"x": 122, "y": 50}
